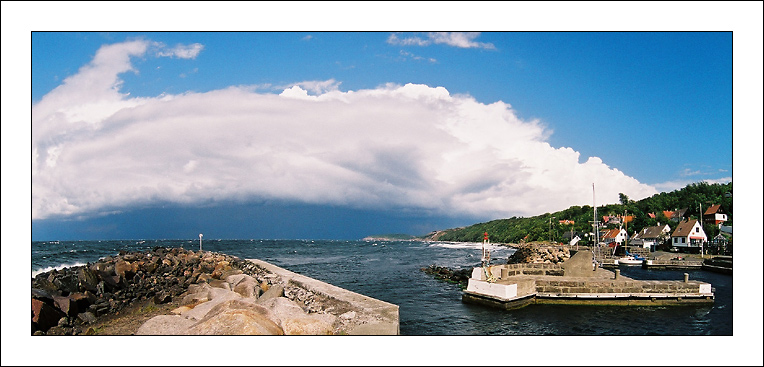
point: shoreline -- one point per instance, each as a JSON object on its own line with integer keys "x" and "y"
{"x": 173, "y": 291}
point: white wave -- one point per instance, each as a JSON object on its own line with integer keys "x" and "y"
{"x": 43, "y": 270}
{"x": 465, "y": 245}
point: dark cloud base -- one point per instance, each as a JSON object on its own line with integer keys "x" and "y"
{"x": 269, "y": 220}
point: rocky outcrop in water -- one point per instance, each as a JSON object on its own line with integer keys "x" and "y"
{"x": 460, "y": 276}
{"x": 220, "y": 293}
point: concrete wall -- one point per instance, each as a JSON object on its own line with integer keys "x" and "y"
{"x": 380, "y": 317}
{"x": 676, "y": 287}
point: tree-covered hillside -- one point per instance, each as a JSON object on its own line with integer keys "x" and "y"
{"x": 547, "y": 226}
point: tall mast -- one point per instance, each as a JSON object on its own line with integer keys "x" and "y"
{"x": 596, "y": 226}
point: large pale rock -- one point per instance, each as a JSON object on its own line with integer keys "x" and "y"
{"x": 282, "y": 308}
{"x": 165, "y": 325}
{"x": 225, "y": 274}
{"x": 248, "y": 289}
{"x": 276, "y": 290}
{"x": 236, "y": 317}
{"x": 217, "y": 283}
{"x": 195, "y": 298}
{"x": 217, "y": 296}
{"x": 306, "y": 326}
{"x": 235, "y": 279}
{"x": 295, "y": 321}
{"x": 198, "y": 288}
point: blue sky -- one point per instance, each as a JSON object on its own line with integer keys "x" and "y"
{"x": 625, "y": 99}
{"x": 343, "y": 134}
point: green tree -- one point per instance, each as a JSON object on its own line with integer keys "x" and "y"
{"x": 623, "y": 198}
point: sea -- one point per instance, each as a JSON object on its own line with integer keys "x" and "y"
{"x": 391, "y": 271}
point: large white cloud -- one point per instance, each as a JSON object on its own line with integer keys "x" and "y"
{"x": 393, "y": 147}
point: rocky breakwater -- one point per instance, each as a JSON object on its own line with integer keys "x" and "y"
{"x": 534, "y": 253}
{"x": 460, "y": 276}
{"x": 65, "y": 301}
{"x": 219, "y": 295}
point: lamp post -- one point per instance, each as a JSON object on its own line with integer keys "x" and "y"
{"x": 200, "y": 241}
{"x": 550, "y": 229}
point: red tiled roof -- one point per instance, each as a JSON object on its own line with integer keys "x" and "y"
{"x": 611, "y": 233}
{"x": 712, "y": 209}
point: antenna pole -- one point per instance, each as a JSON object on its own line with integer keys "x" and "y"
{"x": 596, "y": 227}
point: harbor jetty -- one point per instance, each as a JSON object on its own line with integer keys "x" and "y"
{"x": 673, "y": 261}
{"x": 576, "y": 281}
{"x": 217, "y": 294}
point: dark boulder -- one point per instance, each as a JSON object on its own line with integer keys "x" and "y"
{"x": 162, "y": 297}
{"x": 44, "y": 316}
{"x": 42, "y": 296}
{"x": 67, "y": 283}
{"x": 130, "y": 257}
{"x": 87, "y": 278}
{"x": 80, "y": 300}
{"x": 66, "y": 305}
{"x": 112, "y": 281}
{"x": 41, "y": 282}
{"x": 87, "y": 317}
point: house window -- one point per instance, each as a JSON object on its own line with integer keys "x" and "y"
{"x": 697, "y": 229}
{"x": 682, "y": 239}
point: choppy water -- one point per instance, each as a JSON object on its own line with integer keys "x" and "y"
{"x": 389, "y": 271}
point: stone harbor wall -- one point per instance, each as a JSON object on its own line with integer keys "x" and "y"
{"x": 219, "y": 294}
{"x": 533, "y": 253}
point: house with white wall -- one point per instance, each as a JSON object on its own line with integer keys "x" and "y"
{"x": 688, "y": 234}
{"x": 651, "y": 237}
{"x": 714, "y": 215}
{"x": 614, "y": 236}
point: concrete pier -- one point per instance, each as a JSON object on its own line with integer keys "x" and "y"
{"x": 577, "y": 282}
{"x": 672, "y": 264}
{"x": 375, "y": 317}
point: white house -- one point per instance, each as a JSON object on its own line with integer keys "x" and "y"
{"x": 650, "y": 237}
{"x": 614, "y": 236}
{"x": 688, "y": 234}
{"x": 714, "y": 215}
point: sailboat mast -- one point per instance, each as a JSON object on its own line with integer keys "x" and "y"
{"x": 596, "y": 227}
